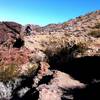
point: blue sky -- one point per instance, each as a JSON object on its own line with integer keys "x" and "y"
{"x": 43, "y": 12}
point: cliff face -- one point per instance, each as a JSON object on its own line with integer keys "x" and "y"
{"x": 61, "y": 60}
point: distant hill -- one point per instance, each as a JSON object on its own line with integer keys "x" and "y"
{"x": 81, "y": 24}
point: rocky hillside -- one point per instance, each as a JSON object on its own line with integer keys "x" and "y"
{"x": 9, "y": 31}
{"x": 61, "y": 60}
{"x": 7, "y": 27}
{"x": 81, "y": 24}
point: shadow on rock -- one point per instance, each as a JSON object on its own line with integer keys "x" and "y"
{"x": 19, "y": 43}
{"x": 26, "y": 82}
{"x": 85, "y": 69}
{"x": 46, "y": 79}
{"x": 29, "y": 95}
{"x": 91, "y": 92}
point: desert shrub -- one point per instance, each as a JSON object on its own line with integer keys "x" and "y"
{"x": 32, "y": 69}
{"x": 56, "y": 44}
{"x": 9, "y": 72}
{"x": 66, "y": 54}
{"x": 69, "y": 51}
{"x": 97, "y": 26}
{"x": 95, "y": 33}
{"x": 81, "y": 47}
{"x": 75, "y": 49}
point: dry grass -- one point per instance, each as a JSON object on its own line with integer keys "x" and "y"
{"x": 52, "y": 44}
{"x": 8, "y": 72}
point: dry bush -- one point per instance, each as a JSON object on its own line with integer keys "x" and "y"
{"x": 95, "y": 33}
{"x": 97, "y": 26}
{"x": 9, "y": 72}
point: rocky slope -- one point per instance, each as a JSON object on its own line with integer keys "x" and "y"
{"x": 61, "y": 60}
{"x": 7, "y": 27}
{"x": 81, "y": 24}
